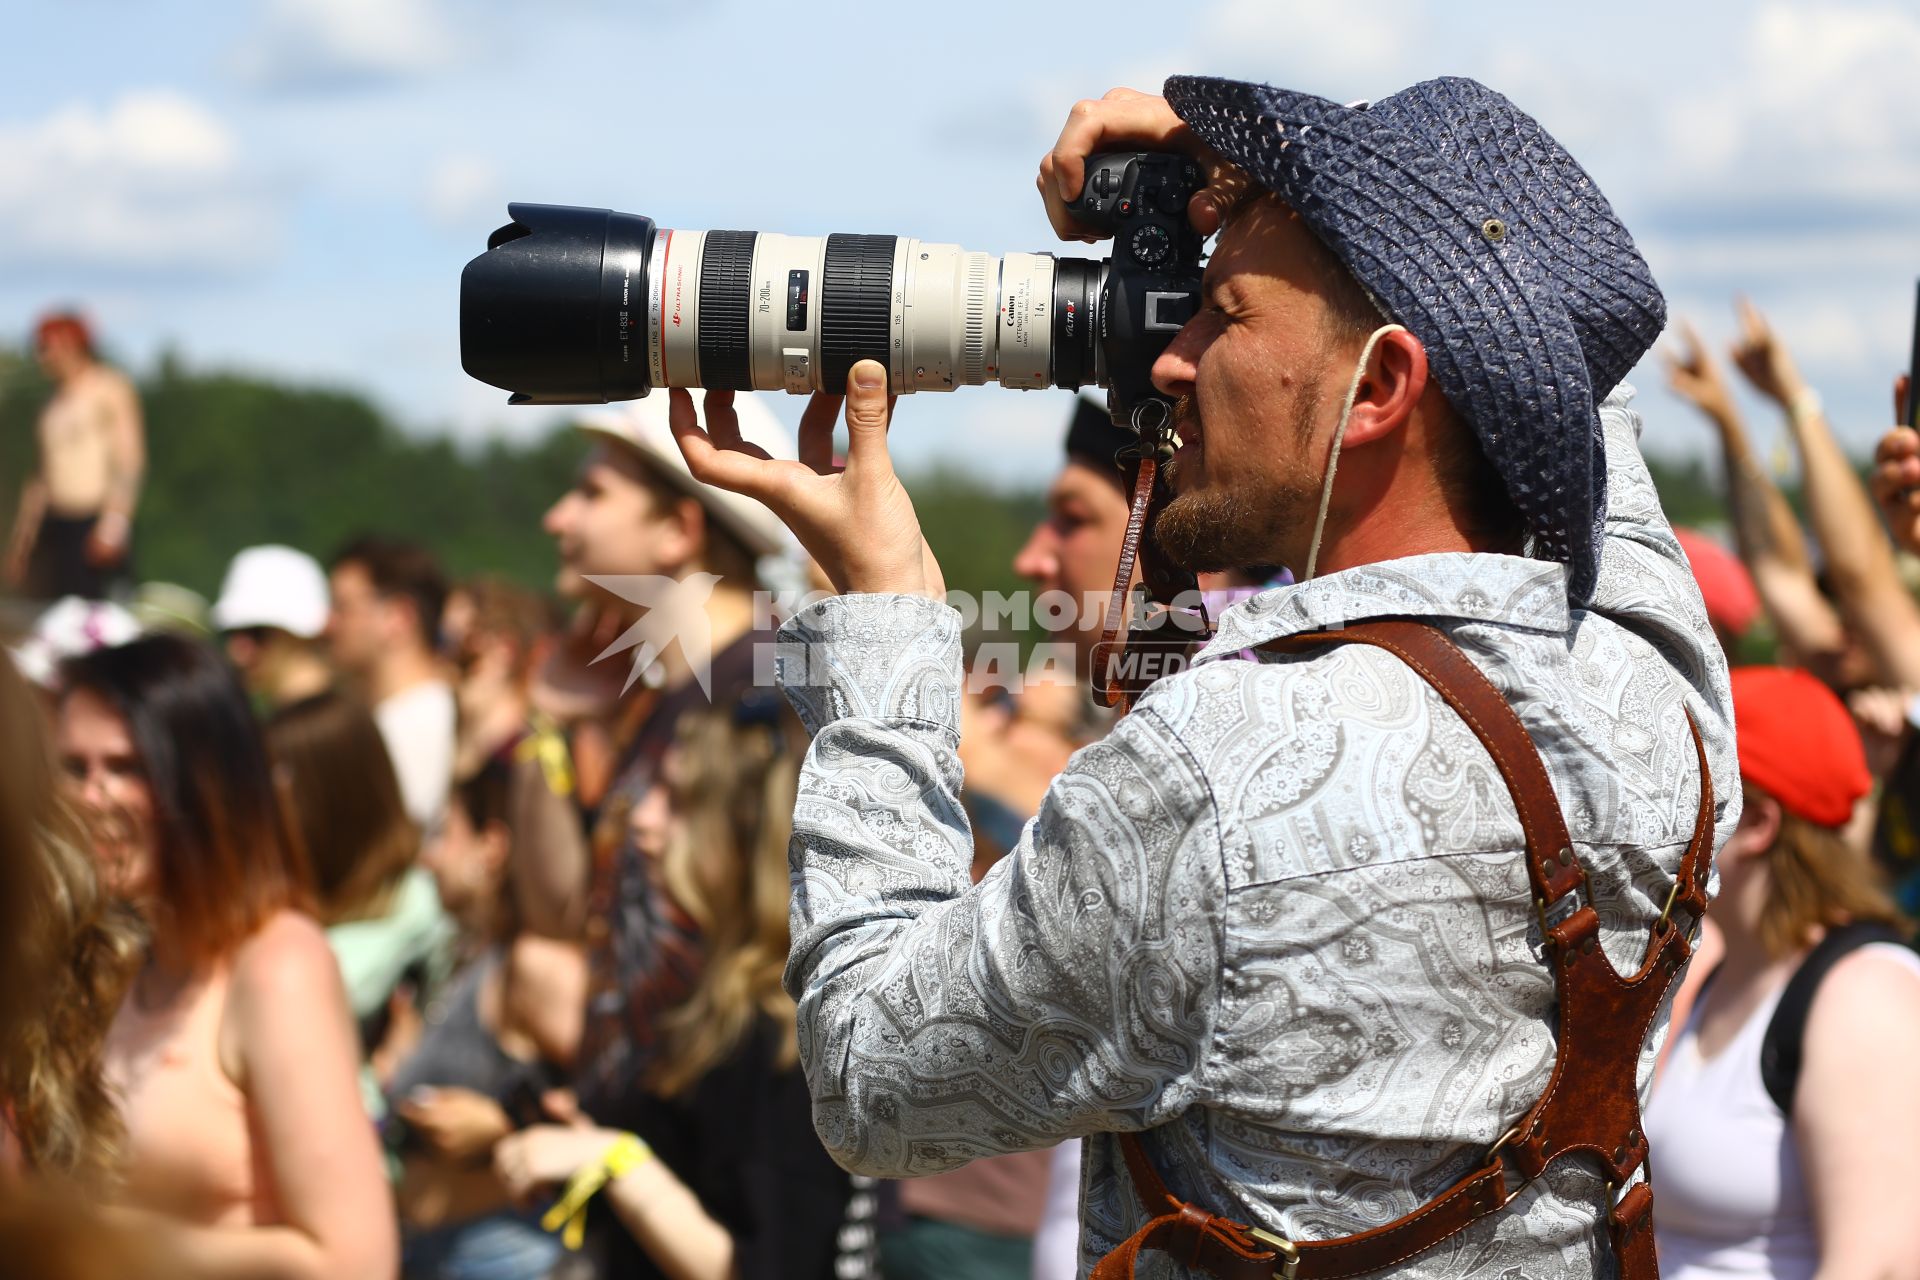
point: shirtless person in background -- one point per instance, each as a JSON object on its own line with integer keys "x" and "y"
{"x": 72, "y": 533}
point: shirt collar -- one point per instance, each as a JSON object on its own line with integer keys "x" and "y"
{"x": 1466, "y": 586}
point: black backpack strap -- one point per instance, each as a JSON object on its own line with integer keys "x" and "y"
{"x": 1780, "y": 1051}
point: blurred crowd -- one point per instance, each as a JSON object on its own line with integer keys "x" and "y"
{"x": 362, "y": 922}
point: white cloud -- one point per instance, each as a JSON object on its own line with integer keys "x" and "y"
{"x": 1332, "y": 44}
{"x": 462, "y": 192}
{"x": 1824, "y": 98}
{"x": 318, "y": 45}
{"x": 150, "y": 183}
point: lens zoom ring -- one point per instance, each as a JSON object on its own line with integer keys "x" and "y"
{"x": 726, "y": 288}
{"x": 973, "y": 348}
{"x": 856, "y": 305}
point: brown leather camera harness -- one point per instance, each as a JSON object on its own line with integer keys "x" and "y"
{"x": 1591, "y": 1107}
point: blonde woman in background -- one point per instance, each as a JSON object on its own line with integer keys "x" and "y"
{"x": 716, "y": 1173}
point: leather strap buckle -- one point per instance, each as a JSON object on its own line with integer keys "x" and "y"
{"x": 1286, "y": 1251}
{"x": 1513, "y": 1179}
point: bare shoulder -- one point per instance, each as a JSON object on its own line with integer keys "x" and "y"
{"x": 283, "y": 974}
{"x": 105, "y": 382}
{"x": 1870, "y": 998}
{"x": 288, "y": 956}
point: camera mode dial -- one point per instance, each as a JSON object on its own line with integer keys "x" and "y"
{"x": 1150, "y": 244}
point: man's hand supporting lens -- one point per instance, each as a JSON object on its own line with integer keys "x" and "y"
{"x": 856, "y": 520}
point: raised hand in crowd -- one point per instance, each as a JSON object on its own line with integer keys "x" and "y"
{"x": 1881, "y": 717}
{"x": 1896, "y": 476}
{"x": 1765, "y": 529}
{"x": 1866, "y": 584}
{"x": 1764, "y": 360}
{"x": 1694, "y": 376}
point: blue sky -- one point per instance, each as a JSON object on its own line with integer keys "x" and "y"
{"x": 292, "y": 186}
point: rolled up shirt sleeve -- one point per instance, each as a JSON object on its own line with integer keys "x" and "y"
{"x": 1071, "y": 991}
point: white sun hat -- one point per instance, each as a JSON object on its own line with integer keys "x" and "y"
{"x": 273, "y": 586}
{"x": 70, "y": 627}
{"x": 641, "y": 425}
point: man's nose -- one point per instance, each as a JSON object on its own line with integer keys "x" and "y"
{"x": 1039, "y": 560}
{"x": 1175, "y": 370}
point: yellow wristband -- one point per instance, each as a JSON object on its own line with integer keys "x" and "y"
{"x": 568, "y": 1215}
{"x": 1804, "y": 407}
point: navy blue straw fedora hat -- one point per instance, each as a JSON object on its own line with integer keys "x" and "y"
{"x": 1472, "y": 227}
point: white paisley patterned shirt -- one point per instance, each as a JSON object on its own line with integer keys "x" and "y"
{"x": 1277, "y": 922}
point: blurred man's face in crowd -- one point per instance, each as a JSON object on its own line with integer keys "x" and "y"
{"x": 361, "y": 626}
{"x": 467, "y": 865}
{"x": 109, "y": 785}
{"x": 1077, "y": 546}
{"x": 60, "y": 356}
{"x": 609, "y": 523}
{"x": 1252, "y": 370}
{"x": 488, "y": 665}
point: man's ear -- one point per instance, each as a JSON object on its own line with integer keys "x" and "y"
{"x": 1391, "y": 384}
{"x": 400, "y": 620}
{"x": 1759, "y": 826}
{"x": 682, "y": 535}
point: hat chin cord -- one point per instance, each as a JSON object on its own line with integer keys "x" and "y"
{"x": 1339, "y": 435}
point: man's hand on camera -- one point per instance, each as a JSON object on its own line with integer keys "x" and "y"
{"x": 1129, "y": 118}
{"x": 856, "y": 521}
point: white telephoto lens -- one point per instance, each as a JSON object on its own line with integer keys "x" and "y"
{"x": 763, "y": 312}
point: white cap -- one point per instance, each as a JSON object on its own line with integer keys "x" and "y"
{"x": 642, "y": 425}
{"x": 273, "y": 586}
{"x": 68, "y": 629}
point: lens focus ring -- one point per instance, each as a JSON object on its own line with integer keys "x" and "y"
{"x": 856, "y": 305}
{"x": 726, "y": 288}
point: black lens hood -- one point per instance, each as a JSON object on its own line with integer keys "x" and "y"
{"x": 555, "y": 310}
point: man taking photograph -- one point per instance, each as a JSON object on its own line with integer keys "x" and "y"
{"x": 1277, "y": 923}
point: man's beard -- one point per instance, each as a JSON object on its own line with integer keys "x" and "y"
{"x": 1243, "y": 521}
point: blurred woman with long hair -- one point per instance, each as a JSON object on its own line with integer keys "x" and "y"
{"x": 382, "y": 915}
{"x": 68, "y": 952}
{"x": 248, "y": 1152}
{"x": 1784, "y": 1125}
{"x": 715, "y": 1171}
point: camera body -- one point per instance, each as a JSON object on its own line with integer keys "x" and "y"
{"x": 1152, "y": 284}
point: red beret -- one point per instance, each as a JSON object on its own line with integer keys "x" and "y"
{"x": 1798, "y": 744}
{"x": 1725, "y": 584}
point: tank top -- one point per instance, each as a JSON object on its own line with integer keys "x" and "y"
{"x": 1732, "y": 1201}
{"x": 457, "y": 1049}
{"x": 193, "y": 1146}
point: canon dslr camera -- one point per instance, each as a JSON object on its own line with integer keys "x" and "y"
{"x": 582, "y": 306}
